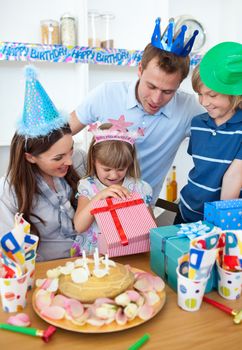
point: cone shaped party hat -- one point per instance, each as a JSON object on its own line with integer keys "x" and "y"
{"x": 40, "y": 116}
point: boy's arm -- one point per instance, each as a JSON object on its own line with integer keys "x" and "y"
{"x": 232, "y": 181}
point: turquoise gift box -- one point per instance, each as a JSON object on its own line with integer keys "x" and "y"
{"x": 165, "y": 249}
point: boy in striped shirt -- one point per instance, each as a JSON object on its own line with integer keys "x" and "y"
{"x": 216, "y": 136}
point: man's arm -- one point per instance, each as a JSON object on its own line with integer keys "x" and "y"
{"x": 75, "y": 123}
{"x": 232, "y": 181}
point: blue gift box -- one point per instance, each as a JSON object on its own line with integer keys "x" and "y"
{"x": 165, "y": 249}
{"x": 225, "y": 214}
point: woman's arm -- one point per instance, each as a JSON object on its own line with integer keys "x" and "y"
{"x": 232, "y": 181}
{"x": 83, "y": 217}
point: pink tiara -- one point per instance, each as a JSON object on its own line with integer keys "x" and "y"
{"x": 118, "y": 131}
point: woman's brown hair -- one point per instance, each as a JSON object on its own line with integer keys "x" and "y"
{"x": 22, "y": 174}
{"x": 114, "y": 154}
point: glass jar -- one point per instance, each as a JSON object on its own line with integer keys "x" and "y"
{"x": 107, "y": 41}
{"x": 68, "y": 30}
{"x": 49, "y": 32}
{"x": 94, "y": 28}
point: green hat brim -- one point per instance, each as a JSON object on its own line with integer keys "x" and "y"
{"x": 214, "y": 61}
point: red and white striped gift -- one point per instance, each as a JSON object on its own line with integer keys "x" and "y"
{"x": 124, "y": 225}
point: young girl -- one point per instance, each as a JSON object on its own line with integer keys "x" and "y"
{"x": 216, "y": 136}
{"x": 112, "y": 171}
{"x": 41, "y": 181}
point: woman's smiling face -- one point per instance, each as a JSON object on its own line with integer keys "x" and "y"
{"x": 55, "y": 161}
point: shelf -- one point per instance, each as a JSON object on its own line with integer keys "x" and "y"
{"x": 13, "y": 51}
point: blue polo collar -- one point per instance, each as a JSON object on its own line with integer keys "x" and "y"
{"x": 236, "y": 118}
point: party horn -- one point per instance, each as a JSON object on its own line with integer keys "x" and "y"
{"x": 140, "y": 342}
{"x": 236, "y": 313}
{"x": 44, "y": 334}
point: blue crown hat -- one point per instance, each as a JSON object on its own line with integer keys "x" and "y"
{"x": 40, "y": 116}
{"x": 171, "y": 43}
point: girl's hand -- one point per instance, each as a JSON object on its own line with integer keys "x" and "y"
{"x": 114, "y": 191}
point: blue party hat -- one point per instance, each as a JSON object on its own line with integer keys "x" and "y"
{"x": 40, "y": 116}
{"x": 171, "y": 42}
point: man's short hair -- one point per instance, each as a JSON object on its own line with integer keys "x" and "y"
{"x": 167, "y": 61}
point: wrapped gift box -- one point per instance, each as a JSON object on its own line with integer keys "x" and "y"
{"x": 165, "y": 249}
{"x": 225, "y": 214}
{"x": 124, "y": 225}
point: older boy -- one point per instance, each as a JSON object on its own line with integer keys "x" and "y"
{"x": 216, "y": 136}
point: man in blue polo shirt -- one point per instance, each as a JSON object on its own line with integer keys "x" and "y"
{"x": 216, "y": 136}
{"x": 153, "y": 103}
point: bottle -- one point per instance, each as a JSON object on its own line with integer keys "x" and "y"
{"x": 49, "y": 32}
{"x": 169, "y": 195}
{"x": 68, "y": 30}
{"x": 107, "y": 41}
{"x": 93, "y": 28}
{"x": 173, "y": 183}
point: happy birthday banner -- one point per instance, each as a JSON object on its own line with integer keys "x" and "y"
{"x": 79, "y": 54}
{"x": 59, "y": 53}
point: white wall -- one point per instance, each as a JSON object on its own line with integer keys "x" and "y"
{"x": 134, "y": 20}
{"x": 220, "y": 18}
{"x": 20, "y": 20}
{"x": 131, "y": 29}
{"x": 66, "y": 84}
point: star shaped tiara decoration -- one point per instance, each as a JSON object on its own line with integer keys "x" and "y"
{"x": 92, "y": 127}
{"x": 118, "y": 131}
{"x": 120, "y": 124}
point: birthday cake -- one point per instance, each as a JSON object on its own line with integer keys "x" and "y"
{"x": 106, "y": 285}
{"x": 97, "y": 293}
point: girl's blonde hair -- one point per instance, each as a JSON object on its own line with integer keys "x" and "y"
{"x": 236, "y": 101}
{"x": 113, "y": 154}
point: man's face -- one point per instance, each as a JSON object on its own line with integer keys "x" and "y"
{"x": 156, "y": 87}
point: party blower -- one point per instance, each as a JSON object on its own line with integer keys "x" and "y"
{"x": 236, "y": 313}
{"x": 44, "y": 334}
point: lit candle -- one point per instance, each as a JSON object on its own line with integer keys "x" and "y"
{"x": 96, "y": 258}
{"x": 84, "y": 259}
{"x": 106, "y": 262}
